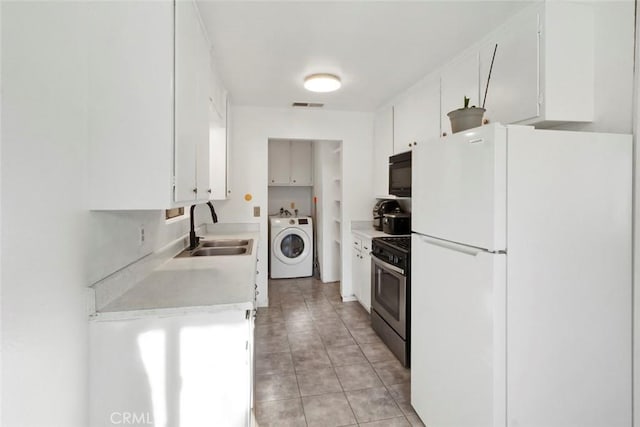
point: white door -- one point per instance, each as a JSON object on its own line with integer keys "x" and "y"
{"x": 457, "y": 334}
{"x": 459, "y": 188}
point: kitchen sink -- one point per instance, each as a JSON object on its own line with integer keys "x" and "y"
{"x": 219, "y": 247}
{"x": 219, "y": 251}
{"x": 223, "y": 243}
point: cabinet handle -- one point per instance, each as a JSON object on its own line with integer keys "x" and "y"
{"x": 485, "y": 122}
{"x": 415, "y": 143}
{"x": 294, "y": 180}
{"x": 409, "y": 144}
{"x": 444, "y": 134}
{"x": 195, "y": 190}
{"x": 273, "y": 180}
{"x": 209, "y": 191}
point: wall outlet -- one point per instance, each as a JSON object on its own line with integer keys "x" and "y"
{"x": 141, "y": 235}
{"x": 256, "y": 211}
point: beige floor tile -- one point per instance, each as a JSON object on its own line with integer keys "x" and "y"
{"x": 346, "y": 355}
{"x": 318, "y": 381}
{"x": 377, "y": 352}
{"x": 365, "y": 335}
{"x": 328, "y": 410}
{"x": 400, "y": 392}
{"x": 391, "y": 372}
{"x": 373, "y": 404}
{"x": 270, "y": 330}
{"x": 275, "y": 344}
{"x": 391, "y": 422}
{"x": 357, "y": 377}
{"x": 274, "y": 363}
{"x": 310, "y": 359}
{"x": 276, "y": 387}
{"x": 300, "y": 325}
{"x": 306, "y": 340}
{"x": 280, "y": 413}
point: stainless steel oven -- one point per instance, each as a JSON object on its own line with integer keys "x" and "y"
{"x": 390, "y": 293}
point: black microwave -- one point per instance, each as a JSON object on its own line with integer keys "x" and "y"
{"x": 400, "y": 174}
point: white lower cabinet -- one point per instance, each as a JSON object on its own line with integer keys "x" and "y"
{"x": 167, "y": 370}
{"x": 361, "y": 270}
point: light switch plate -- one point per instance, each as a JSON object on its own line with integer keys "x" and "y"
{"x": 256, "y": 211}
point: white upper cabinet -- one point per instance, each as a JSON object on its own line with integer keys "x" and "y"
{"x": 279, "y": 162}
{"x": 192, "y": 76}
{"x": 290, "y": 163}
{"x": 459, "y": 79}
{"x": 544, "y": 69}
{"x": 218, "y": 138}
{"x": 382, "y": 149}
{"x": 514, "y": 85}
{"x": 415, "y": 116}
{"x": 301, "y": 163}
{"x": 148, "y": 121}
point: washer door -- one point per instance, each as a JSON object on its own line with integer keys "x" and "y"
{"x": 291, "y": 246}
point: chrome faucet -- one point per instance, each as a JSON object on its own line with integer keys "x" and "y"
{"x": 193, "y": 239}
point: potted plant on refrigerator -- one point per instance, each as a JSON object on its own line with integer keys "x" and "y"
{"x": 466, "y": 117}
{"x": 470, "y": 117}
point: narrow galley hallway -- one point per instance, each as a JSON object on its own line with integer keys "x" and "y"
{"x": 319, "y": 362}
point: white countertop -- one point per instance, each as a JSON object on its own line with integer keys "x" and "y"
{"x": 365, "y": 229}
{"x": 194, "y": 281}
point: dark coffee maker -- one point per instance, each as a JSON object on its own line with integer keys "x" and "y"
{"x": 382, "y": 207}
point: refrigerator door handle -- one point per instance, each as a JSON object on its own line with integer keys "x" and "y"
{"x": 468, "y": 250}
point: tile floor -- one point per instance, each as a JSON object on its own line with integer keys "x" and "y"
{"x": 319, "y": 363}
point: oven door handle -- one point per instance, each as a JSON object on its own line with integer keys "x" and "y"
{"x": 386, "y": 265}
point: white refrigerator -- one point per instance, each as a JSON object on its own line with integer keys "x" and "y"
{"x": 521, "y": 279}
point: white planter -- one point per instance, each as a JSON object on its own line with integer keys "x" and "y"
{"x": 465, "y": 118}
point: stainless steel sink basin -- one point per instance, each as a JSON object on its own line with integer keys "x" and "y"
{"x": 223, "y": 243}
{"x": 219, "y": 247}
{"x": 219, "y": 251}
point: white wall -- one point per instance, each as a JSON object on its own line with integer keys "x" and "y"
{"x": 282, "y": 197}
{"x": 114, "y": 237}
{"x": 44, "y": 221}
{"x": 251, "y": 127}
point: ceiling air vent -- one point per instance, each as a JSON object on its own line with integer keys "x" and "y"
{"x": 307, "y": 104}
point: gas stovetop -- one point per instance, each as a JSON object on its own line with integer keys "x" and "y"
{"x": 402, "y": 243}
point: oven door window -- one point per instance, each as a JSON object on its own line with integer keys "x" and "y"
{"x": 387, "y": 292}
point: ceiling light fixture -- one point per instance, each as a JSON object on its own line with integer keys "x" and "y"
{"x": 322, "y": 82}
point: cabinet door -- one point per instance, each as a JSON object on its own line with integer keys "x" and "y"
{"x": 130, "y": 116}
{"x": 301, "y": 163}
{"x": 416, "y": 116}
{"x": 189, "y": 119}
{"x": 458, "y": 79}
{"x": 514, "y": 86}
{"x": 218, "y": 136}
{"x": 279, "y": 162}
{"x": 365, "y": 275}
{"x": 217, "y": 153}
{"x": 458, "y": 338}
{"x": 201, "y": 360}
{"x": 203, "y": 182}
{"x": 382, "y": 149}
{"x": 355, "y": 273}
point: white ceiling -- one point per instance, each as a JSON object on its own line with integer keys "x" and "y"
{"x": 378, "y": 48}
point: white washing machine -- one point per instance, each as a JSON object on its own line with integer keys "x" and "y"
{"x": 291, "y": 247}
